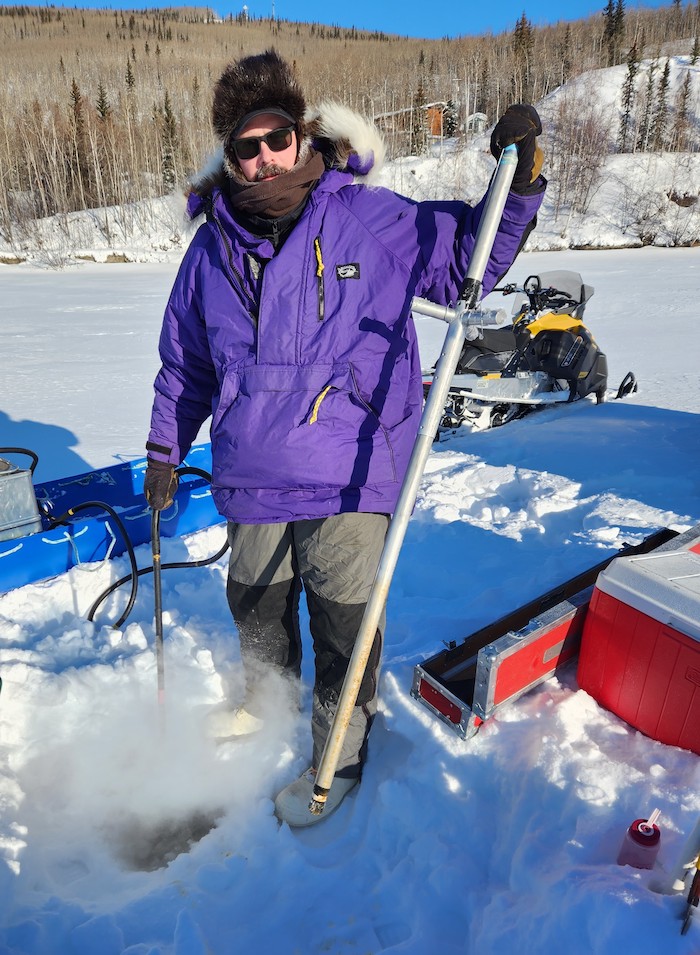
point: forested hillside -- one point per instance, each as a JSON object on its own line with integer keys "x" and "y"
{"x": 108, "y": 108}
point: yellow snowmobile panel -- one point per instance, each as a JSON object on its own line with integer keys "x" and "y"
{"x": 552, "y": 322}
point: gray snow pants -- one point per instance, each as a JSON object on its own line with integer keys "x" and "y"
{"x": 335, "y": 558}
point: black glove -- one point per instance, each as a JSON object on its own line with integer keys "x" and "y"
{"x": 160, "y": 484}
{"x": 520, "y": 124}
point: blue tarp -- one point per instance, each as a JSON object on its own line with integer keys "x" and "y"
{"x": 92, "y": 535}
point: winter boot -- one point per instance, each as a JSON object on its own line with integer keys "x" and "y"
{"x": 233, "y": 724}
{"x": 292, "y": 804}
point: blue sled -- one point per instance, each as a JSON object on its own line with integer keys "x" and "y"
{"x": 91, "y": 535}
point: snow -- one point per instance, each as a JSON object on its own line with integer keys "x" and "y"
{"x": 508, "y": 840}
{"x": 505, "y": 842}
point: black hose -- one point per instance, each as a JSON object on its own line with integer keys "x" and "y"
{"x": 30, "y": 454}
{"x": 133, "y": 576}
{"x": 135, "y": 573}
{"x": 149, "y": 570}
{"x": 140, "y": 572}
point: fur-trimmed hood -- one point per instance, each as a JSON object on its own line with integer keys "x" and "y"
{"x": 347, "y": 141}
{"x": 252, "y": 85}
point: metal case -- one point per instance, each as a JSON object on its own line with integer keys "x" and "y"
{"x": 467, "y": 683}
{"x": 19, "y": 513}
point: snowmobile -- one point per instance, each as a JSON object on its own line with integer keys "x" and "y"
{"x": 546, "y": 356}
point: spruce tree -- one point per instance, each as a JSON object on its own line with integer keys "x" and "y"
{"x": 523, "y": 46}
{"x": 79, "y": 164}
{"x": 76, "y": 104}
{"x": 644, "y": 135}
{"x": 129, "y": 78}
{"x": 619, "y": 28}
{"x": 660, "y": 119}
{"x": 566, "y": 55}
{"x": 609, "y": 30}
{"x": 418, "y": 136}
{"x": 450, "y": 123}
{"x": 625, "y": 138}
{"x": 681, "y": 133}
{"x": 613, "y": 30}
{"x": 169, "y": 143}
{"x": 102, "y": 105}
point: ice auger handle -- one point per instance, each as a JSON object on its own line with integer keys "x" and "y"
{"x": 479, "y": 316}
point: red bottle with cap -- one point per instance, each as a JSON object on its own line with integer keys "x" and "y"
{"x": 640, "y": 846}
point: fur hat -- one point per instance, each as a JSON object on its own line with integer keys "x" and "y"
{"x": 255, "y": 84}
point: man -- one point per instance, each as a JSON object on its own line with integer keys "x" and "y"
{"x": 289, "y": 323}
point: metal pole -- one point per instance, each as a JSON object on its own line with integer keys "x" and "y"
{"x": 158, "y": 610}
{"x": 458, "y": 319}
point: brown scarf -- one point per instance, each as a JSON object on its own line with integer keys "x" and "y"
{"x": 276, "y": 197}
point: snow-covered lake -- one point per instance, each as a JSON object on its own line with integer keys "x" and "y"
{"x": 507, "y": 841}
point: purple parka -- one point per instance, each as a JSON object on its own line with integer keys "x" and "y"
{"x": 307, "y": 359}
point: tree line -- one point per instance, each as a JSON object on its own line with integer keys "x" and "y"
{"x": 107, "y": 108}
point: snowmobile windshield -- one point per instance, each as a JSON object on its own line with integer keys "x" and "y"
{"x": 571, "y": 285}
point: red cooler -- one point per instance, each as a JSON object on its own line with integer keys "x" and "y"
{"x": 640, "y": 648}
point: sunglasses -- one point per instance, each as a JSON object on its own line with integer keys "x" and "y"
{"x": 277, "y": 141}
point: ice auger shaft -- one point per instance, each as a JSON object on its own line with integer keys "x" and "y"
{"x": 458, "y": 318}
{"x": 158, "y": 610}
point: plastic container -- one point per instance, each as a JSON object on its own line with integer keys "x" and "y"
{"x": 640, "y": 846}
{"x": 640, "y": 648}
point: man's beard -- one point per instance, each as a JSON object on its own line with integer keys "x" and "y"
{"x": 268, "y": 170}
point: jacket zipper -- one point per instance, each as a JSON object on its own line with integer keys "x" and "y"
{"x": 319, "y": 276}
{"x": 374, "y": 414}
{"x": 238, "y": 285}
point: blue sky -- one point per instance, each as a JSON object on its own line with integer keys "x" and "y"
{"x": 408, "y": 17}
{"x": 436, "y": 19}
